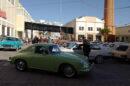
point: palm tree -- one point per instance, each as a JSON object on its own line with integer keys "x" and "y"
{"x": 105, "y": 32}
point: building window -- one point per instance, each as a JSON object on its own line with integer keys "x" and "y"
{"x": 8, "y": 31}
{"x": 90, "y": 37}
{"x": 12, "y": 31}
{"x": 98, "y": 29}
{"x": 3, "y": 30}
{"x": 11, "y": 1}
{"x": 80, "y": 37}
{"x": 90, "y": 28}
{"x": 81, "y": 28}
{"x": 117, "y": 39}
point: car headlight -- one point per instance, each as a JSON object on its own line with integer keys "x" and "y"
{"x": 83, "y": 63}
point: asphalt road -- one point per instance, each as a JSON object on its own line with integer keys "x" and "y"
{"x": 111, "y": 73}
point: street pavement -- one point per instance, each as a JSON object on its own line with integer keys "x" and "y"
{"x": 111, "y": 73}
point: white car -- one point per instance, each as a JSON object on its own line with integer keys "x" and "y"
{"x": 98, "y": 52}
{"x": 123, "y": 52}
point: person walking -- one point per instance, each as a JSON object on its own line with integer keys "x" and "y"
{"x": 86, "y": 47}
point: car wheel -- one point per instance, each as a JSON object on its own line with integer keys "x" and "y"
{"x": 99, "y": 59}
{"x": 21, "y": 65}
{"x": 68, "y": 71}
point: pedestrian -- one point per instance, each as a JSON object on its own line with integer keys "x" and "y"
{"x": 35, "y": 40}
{"x": 86, "y": 47}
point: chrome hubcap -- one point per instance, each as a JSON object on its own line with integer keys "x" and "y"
{"x": 20, "y": 65}
{"x": 68, "y": 71}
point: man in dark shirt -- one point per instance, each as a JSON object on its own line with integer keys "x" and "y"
{"x": 35, "y": 40}
{"x": 86, "y": 47}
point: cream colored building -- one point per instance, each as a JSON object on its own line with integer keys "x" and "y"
{"x": 123, "y": 33}
{"x": 21, "y": 17}
{"x": 12, "y": 18}
{"x": 8, "y": 17}
{"x": 86, "y": 26}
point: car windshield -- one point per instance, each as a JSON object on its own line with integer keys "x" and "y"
{"x": 54, "y": 49}
{"x": 71, "y": 45}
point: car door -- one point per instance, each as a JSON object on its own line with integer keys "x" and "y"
{"x": 128, "y": 52}
{"x": 95, "y": 51}
{"x": 41, "y": 58}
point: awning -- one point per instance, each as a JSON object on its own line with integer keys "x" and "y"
{"x": 3, "y": 14}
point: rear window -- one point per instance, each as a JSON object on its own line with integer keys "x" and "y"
{"x": 122, "y": 48}
{"x": 10, "y": 39}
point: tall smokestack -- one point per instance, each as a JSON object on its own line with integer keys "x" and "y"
{"x": 109, "y": 15}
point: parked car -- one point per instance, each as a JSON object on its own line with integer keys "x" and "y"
{"x": 123, "y": 52}
{"x": 50, "y": 58}
{"x": 98, "y": 52}
{"x": 10, "y": 43}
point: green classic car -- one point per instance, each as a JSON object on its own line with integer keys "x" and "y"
{"x": 49, "y": 57}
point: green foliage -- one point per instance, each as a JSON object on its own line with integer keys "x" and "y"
{"x": 105, "y": 32}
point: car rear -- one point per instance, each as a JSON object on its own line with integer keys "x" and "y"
{"x": 9, "y": 43}
{"x": 121, "y": 52}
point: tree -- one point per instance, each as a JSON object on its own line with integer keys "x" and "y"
{"x": 105, "y": 32}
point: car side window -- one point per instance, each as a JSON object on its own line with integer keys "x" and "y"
{"x": 122, "y": 48}
{"x": 16, "y": 39}
{"x": 41, "y": 50}
{"x": 78, "y": 47}
{"x": 10, "y": 39}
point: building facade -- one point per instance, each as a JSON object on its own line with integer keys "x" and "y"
{"x": 86, "y": 26}
{"x": 7, "y": 17}
{"x": 123, "y": 34}
{"x": 12, "y": 18}
{"x": 22, "y": 17}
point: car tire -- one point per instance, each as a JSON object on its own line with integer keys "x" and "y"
{"x": 99, "y": 59}
{"x": 21, "y": 65}
{"x": 68, "y": 71}
{"x": 16, "y": 49}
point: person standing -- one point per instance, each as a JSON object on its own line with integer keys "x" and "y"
{"x": 35, "y": 40}
{"x": 86, "y": 47}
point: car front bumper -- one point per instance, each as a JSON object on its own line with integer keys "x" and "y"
{"x": 86, "y": 69}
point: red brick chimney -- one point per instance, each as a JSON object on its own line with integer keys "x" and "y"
{"x": 109, "y": 15}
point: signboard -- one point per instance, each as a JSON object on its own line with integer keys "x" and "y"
{"x": 3, "y": 14}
